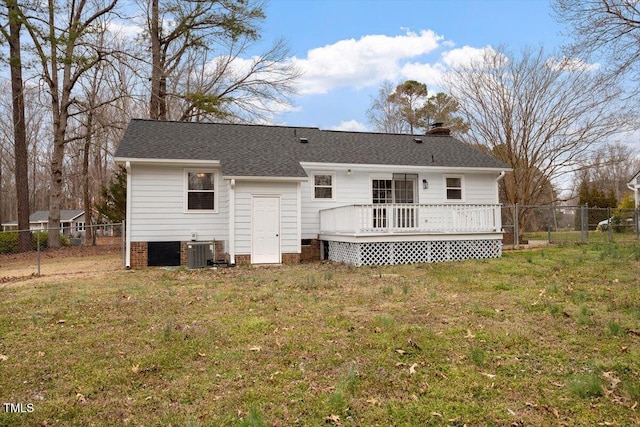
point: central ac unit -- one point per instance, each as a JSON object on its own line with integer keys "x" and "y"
{"x": 200, "y": 254}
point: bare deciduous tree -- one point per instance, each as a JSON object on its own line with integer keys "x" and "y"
{"x": 384, "y": 115}
{"x": 539, "y": 114}
{"x": 609, "y": 168}
{"x": 21, "y": 170}
{"x": 212, "y": 35}
{"x": 58, "y": 35}
{"x": 607, "y": 29}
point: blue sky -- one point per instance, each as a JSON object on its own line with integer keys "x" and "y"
{"x": 349, "y": 47}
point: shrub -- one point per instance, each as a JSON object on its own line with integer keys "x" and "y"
{"x": 8, "y": 243}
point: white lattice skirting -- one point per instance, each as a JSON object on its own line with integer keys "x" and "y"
{"x": 379, "y": 253}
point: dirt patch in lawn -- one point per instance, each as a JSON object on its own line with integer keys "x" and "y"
{"x": 61, "y": 261}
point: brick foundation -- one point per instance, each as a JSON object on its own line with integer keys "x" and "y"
{"x": 243, "y": 259}
{"x": 291, "y": 258}
{"x": 139, "y": 254}
{"x": 311, "y": 252}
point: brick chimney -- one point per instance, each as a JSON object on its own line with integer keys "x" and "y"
{"x": 438, "y": 129}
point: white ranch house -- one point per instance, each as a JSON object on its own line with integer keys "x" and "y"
{"x": 71, "y": 221}
{"x": 273, "y": 194}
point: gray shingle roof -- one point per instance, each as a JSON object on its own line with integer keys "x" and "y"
{"x": 66, "y": 215}
{"x": 257, "y": 150}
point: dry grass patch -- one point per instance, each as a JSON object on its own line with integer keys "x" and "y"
{"x": 535, "y": 338}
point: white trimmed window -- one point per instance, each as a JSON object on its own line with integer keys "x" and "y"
{"x": 201, "y": 190}
{"x": 454, "y": 187}
{"x": 323, "y": 186}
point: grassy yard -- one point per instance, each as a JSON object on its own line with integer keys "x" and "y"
{"x": 594, "y": 236}
{"x": 547, "y": 337}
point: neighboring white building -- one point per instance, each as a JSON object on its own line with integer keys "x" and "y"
{"x": 634, "y": 185}
{"x": 71, "y": 221}
{"x": 272, "y": 194}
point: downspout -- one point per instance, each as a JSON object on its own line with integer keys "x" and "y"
{"x": 498, "y": 212}
{"x": 232, "y": 222}
{"x": 299, "y": 214}
{"x": 128, "y": 218}
{"x": 498, "y": 178}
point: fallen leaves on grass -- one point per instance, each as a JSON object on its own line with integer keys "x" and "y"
{"x": 373, "y": 401}
{"x": 255, "y": 348}
{"x": 412, "y": 368}
{"x": 613, "y": 381}
{"x": 333, "y": 419}
{"x": 4, "y": 357}
{"x": 413, "y": 344}
{"x": 469, "y": 335}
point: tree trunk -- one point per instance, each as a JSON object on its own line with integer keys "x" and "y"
{"x": 19, "y": 128}
{"x": 88, "y": 230}
{"x": 156, "y": 68}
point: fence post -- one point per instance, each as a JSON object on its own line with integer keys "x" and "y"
{"x": 584, "y": 226}
{"x": 516, "y": 229}
{"x": 549, "y": 223}
{"x": 38, "y": 234}
{"x": 636, "y": 215}
{"x": 610, "y": 225}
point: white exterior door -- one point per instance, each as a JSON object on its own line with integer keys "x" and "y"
{"x": 265, "y": 230}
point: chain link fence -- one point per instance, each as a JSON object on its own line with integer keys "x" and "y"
{"x": 537, "y": 225}
{"x": 568, "y": 224}
{"x": 79, "y": 240}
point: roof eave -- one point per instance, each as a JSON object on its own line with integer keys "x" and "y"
{"x": 379, "y": 167}
{"x": 156, "y": 161}
{"x": 266, "y": 178}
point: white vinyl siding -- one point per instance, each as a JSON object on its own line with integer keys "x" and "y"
{"x": 356, "y": 189}
{"x": 158, "y": 207}
{"x": 289, "y": 221}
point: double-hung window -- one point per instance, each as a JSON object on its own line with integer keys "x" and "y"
{"x": 323, "y": 186}
{"x": 201, "y": 189}
{"x": 454, "y": 188}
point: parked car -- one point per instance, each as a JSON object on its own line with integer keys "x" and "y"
{"x": 618, "y": 224}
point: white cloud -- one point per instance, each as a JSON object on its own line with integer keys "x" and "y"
{"x": 361, "y": 63}
{"x": 465, "y": 56}
{"x": 351, "y": 125}
{"x": 571, "y": 64}
{"x": 125, "y": 31}
{"x": 430, "y": 74}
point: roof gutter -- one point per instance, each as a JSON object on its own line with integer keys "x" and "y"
{"x": 394, "y": 168}
{"x": 500, "y": 176}
{"x": 125, "y": 160}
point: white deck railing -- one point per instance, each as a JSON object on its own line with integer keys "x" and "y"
{"x": 410, "y": 218}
